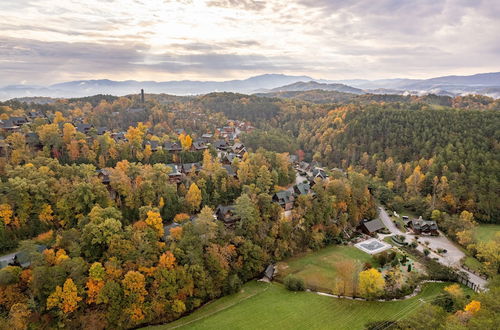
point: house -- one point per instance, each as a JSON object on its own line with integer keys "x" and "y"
{"x": 221, "y": 145}
{"x": 227, "y": 215}
{"x": 372, "y": 226}
{"x": 168, "y": 228}
{"x": 229, "y": 170}
{"x": 188, "y": 168}
{"x": 104, "y": 174}
{"x": 207, "y": 137}
{"x": 120, "y": 136}
{"x": 269, "y": 272}
{"x": 175, "y": 176}
{"x": 303, "y": 167}
{"x": 239, "y": 149}
{"x": 318, "y": 172}
{"x": 293, "y": 159}
{"x": 102, "y": 130}
{"x": 198, "y": 146}
{"x": 228, "y": 158}
{"x": 172, "y": 147}
{"x": 35, "y": 114}
{"x": 155, "y": 145}
{"x": 33, "y": 140}
{"x": 9, "y": 125}
{"x": 84, "y": 128}
{"x": 420, "y": 226}
{"x": 285, "y": 199}
{"x": 302, "y": 189}
{"x": 19, "y": 121}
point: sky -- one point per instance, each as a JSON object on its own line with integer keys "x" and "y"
{"x": 44, "y": 41}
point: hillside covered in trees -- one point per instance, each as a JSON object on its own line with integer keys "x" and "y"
{"x": 119, "y": 207}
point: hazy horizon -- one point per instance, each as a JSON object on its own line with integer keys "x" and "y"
{"x": 44, "y": 43}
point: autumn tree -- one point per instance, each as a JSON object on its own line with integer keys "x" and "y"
{"x": 371, "y": 283}
{"x": 155, "y": 222}
{"x": 193, "y": 197}
{"x": 65, "y": 299}
{"x": 347, "y": 272}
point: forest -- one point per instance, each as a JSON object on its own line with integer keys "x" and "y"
{"x": 110, "y": 241}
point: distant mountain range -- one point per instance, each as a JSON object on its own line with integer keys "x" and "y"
{"x": 484, "y": 83}
{"x": 312, "y": 85}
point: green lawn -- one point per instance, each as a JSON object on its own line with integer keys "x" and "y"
{"x": 317, "y": 269}
{"x": 485, "y": 233}
{"x": 271, "y": 306}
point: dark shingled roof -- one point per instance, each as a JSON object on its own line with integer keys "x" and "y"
{"x": 374, "y": 225}
{"x": 269, "y": 272}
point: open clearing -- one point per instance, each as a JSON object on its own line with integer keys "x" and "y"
{"x": 485, "y": 233}
{"x": 317, "y": 269}
{"x": 270, "y": 306}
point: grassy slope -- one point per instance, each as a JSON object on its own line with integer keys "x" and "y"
{"x": 271, "y": 306}
{"x": 486, "y": 233}
{"x": 317, "y": 269}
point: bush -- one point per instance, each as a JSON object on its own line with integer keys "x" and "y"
{"x": 427, "y": 252}
{"x": 293, "y": 283}
{"x": 233, "y": 284}
{"x": 9, "y": 275}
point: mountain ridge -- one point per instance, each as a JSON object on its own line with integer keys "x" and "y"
{"x": 481, "y": 83}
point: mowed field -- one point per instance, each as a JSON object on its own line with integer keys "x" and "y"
{"x": 485, "y": 233}
{"x": 270, "y": 306}
{"x": 317, "y": 269}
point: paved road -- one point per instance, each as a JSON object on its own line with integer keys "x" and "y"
{"x": 7, "y": 257}
{"x": 451, "y": 258}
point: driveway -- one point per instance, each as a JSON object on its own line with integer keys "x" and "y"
{"x": 450, "y": 259}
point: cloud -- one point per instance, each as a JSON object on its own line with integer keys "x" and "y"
{"x": 221, "y": 39}
{"x": 240, "y": 4}
{"x": 34, "y": 60}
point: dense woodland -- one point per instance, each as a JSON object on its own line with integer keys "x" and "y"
{"x": 109, "y": 263}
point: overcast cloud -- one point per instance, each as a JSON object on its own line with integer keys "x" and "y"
{"x": 44, "y": 42}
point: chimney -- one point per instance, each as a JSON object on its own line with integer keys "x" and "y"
{"x": 142, "y": 96}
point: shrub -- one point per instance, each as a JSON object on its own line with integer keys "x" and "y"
{"x": 233, "y": 284}
{"x": 427, "y": 252}
{"x": 9, "y": 275}
{"x": 293, "y": 283}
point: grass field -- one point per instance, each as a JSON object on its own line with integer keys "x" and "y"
{"x": 317, "y": 269}
{"x": 486, "y": 233}
{"x": 270, "y": 306}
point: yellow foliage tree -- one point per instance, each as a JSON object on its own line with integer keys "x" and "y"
{"x": 18, "y": 316}
{"x": 455, "y": 290}
{"x": 58, "y": 118}
{"x": 193, "y": 197}
{"x": 6, "y": 213}
{"x": 167, "y": 260}
{"x": 66, "y": 298}
{"x": 371, "y": 283}
{"x": 154, "y": 221}
{"x": 176, "y": 233}
{"x": 134, "y": 286}
{"x": 186, "y": 141}
{"x": 473, "y": 307}
{"x": 46, "y": 215}
{"x": 181, "y": 217}
{"x": 69, "y": 131}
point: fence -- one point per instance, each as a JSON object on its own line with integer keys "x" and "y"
{"x": 465, "y": 281}
{"x": 481, "y": 275}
